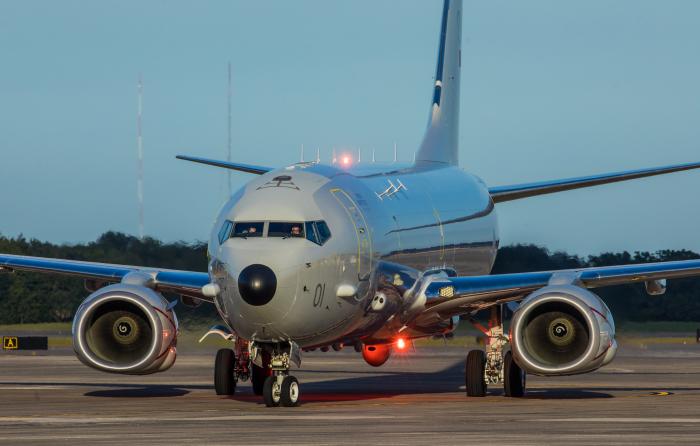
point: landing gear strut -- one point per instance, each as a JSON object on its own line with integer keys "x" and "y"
{"x": 495, "y": 366}
{"x": 260, "y": 373}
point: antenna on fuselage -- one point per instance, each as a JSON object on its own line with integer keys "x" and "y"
{"x": 302, "y": 153}
{"x": 359, "y": 154}
{"x": 334, "y": 160}
{"x": 139, "y": 142}
{"x": 228, "y": 156}
{"x": 318, "y": 155}
{"x": 394, "y": 151}
{"x": 372, "y": 155}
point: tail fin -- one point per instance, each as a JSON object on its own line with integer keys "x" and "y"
{"x": 440, "y": 143}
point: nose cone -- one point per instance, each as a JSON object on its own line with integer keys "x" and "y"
{"x": 257, "y": 284}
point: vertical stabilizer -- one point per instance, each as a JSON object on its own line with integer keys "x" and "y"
{"x": 440, "y": 143}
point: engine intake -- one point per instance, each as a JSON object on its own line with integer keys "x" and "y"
{"x": 562, "y": 330}
{"x": 125, "y": 329}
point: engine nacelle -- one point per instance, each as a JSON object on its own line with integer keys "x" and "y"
{"x": 125, "y": 329}
{"x": 376, "y": 355}
{"x": 562, "y": 330}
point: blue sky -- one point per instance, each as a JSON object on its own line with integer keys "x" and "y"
{"x": 550, "y": 89}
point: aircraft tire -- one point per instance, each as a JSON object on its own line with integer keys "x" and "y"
{"x": 513, "y": 377}
{"x": 290, "y": 392}
{"x": 224, "y": 377}
{"x": 271, "y": 394}
{"x": 474, "y": 379}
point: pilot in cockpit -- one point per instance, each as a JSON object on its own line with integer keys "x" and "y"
{"x": 296, "y": 231}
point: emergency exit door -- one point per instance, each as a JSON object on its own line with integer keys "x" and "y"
{"x": 364, "y": 241}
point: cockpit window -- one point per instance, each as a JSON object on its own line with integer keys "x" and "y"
{"x": 245, "y": 229}
{"x": 224, "y": 231}
{"x": 311, "y": 232}
{"x": 285, "y": 229}
{"x": 323, "y": 232}
{"x": 317, "y": 232}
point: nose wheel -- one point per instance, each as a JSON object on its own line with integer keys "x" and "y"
{"x": 281, "y": 390}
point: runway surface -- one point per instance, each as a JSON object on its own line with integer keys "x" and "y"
{"x": 415, "y": 399}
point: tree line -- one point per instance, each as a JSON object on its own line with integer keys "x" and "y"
{"x": 29, "y": 298}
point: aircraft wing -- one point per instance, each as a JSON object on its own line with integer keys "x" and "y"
{"x": 186, "y": 283}
{"x": 248, "y": 168}
{"x": 517, "y": 191}
{"x": 451, "y": 296}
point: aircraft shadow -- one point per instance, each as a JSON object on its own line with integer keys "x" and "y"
{"x": 361, "y": 385}
{"x": 370, "y": 385}
{"x": 118, "y": 389}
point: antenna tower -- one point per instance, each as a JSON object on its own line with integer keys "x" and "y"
{"x": 228, "y": 157}
{"x": 139, "y": 140}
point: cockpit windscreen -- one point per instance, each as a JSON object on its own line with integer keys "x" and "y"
{"x": 285, "y": 229}
{"x": 247, "y": 229}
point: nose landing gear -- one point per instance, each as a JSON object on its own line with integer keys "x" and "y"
{"x": 280, "y": 388}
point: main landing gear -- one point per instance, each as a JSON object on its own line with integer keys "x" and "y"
{"x": 495, "y": 366}
{"x": 267, "y": 367}
{"x": 232, "y": 365}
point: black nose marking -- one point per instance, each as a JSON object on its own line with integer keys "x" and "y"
{"x": 257, "y": 284}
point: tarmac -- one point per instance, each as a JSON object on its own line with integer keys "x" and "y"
{"x": 646, "y": 396}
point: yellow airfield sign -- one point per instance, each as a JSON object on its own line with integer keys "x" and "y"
{"x": 10, "y": 343}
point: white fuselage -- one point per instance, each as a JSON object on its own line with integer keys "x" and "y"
{"x": 387, "y": 224}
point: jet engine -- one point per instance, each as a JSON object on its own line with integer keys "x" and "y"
{"x": 126, "y": 329}
{"x": 376, "y": 355}
{"x": 562, "y": 330}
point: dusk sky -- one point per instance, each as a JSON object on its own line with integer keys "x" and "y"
{"x": 550, "y": 89}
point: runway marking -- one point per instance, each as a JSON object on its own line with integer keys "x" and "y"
{"x": 620, "y": 420}
{"x": 615, "y": 370}
{"x": 120, "y": 420}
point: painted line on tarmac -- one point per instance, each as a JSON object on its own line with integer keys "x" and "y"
{"x": 619, "y": 420}
{"x": 149, "y": 419}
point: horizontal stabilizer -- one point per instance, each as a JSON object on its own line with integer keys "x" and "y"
{"x": 248, "y": 168}
{"x": 517, "y": 191}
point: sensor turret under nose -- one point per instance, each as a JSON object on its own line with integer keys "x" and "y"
{"x": 257, "y": 284}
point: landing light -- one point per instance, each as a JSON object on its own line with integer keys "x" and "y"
{"x": 346, "y": 160}
{"x": 401, "y": 344}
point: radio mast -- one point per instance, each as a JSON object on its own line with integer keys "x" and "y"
{"x": 139, "y": 140}
{"x": 228, "y": 157}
